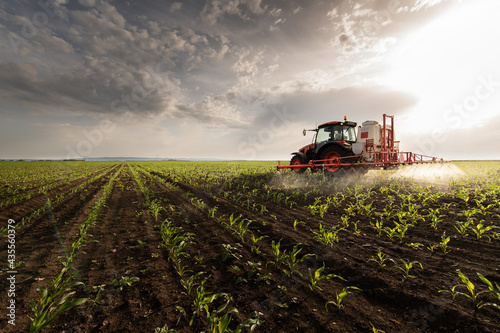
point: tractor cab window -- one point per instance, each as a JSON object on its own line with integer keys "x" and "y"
{"x": 323, "y": 135}
{"x": 349, "y": 134}
{"x": 336, "y": 133}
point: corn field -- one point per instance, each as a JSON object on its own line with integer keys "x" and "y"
{"x": 176, "y": 246}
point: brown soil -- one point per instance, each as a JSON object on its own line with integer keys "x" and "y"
{"x": 128, "y": 243}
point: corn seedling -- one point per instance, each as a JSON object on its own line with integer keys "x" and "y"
{"x": 492, "y": 289}
{"x": 254, "y": 247}
{"x": 155, "y": 209}
{"x": 444, "y": 243}
{"x": 211, "y": 212}
{"x": 316, "y": 277}
{"x": 473, "y": 294}
{"x": 340, "y": 297}
{"x": 190, "y": 283}
{"x": 231, "y": 251}
{"x": 345, "y": 220}
{"x": 356, "y": 231}
{"x": 405, "y": 268}
{"x": 452, "y": 291}
{"x": 379, "y": 227}
{"x": 434, "y": 216}
{"x": 380, "y": 259}
{"x": 327, "y": 236}
{"x": 54, "y": 300}
{"x": 124, "y": 282}
{"x": 202, "y": 301}
{"x": 97, "y": 290}
{"x": 242, "y": 229}
{"x": 431, "y": 247}
{"x": 233, "y": 220}
{"x": 279, "y": 257}
{"x": 462, "y": 227}
{"x": 296, "y": 223}
{"x": 164, "y": 329}
{"x": 293, "y": 260}
{"x": 376, "y": 330}
{"x": 480, "y": 230}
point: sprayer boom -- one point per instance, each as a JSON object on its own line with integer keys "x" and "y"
{"x": 337, "y": 149}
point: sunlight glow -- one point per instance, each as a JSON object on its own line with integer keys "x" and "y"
{"x": 444, "y": 62}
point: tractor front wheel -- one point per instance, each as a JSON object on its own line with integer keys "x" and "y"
{"x": 298, "y": 160}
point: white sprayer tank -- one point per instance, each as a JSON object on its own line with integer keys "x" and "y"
{"x": 370, "y": 129}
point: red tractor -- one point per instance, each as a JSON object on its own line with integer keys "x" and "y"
{"x": 337, "y": 149}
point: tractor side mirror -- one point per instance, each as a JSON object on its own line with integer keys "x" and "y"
{"x": 304, "y": 132}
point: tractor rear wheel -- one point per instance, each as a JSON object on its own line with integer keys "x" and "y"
{"x": 298, "y": 160}
{"x": 332, "y": 156}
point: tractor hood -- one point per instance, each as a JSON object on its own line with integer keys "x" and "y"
{"x": 306, "y": 148}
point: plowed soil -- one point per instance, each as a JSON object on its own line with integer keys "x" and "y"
{"x": 126, "y": 242}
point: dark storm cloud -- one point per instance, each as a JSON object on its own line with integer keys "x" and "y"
{"x": 177, "y": 59}
{"x": 109, "y": 65}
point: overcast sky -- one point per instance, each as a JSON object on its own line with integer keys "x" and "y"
{"x": 240, "y": 79}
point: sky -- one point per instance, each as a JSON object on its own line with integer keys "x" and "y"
{"x": 241, "y": 79}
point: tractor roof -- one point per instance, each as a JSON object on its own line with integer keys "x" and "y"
{"x": 346, "y": 123}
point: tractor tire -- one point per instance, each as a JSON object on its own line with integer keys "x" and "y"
{"x": 298, "y": 159}
{"x": 332, "y": 155}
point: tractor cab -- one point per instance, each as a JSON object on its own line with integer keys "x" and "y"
{"x": 343, "y": 133}
{"x": 334, "y": 135}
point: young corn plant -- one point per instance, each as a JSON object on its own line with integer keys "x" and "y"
{"x": 190, "y": 283}
{"x": 376, "y": 330}
{"x": 155, "y": 209}
{"x": 452, "y": 291}
{"x": 293, "y": 260}
{"x": 444, "y": 243}
{"x": 327, "y": 236}
{"x": 54, "y": 300}
{"x": 254, "y": 247}
{"x": 380, "y": 259}
{"x": 379, "y": 227}
{"x": 473, "y": 295}
{"x": 463, "y": 227}
{"x": 405, "y": 268}
{"x": 125, "y": 281}
{"x": 242, "y": 229}
{"x": 480, "y": 230}
{"x": 316, "y": 277}
{"x": 234, "y": 219}
{"x": 340, "y": 297}
{"x": 494, "y": 290}
{"x": 434, "y": 216}
{"x": 211, "y": 212}
{"x": 296, "y": 223}
{"x": 279, "y": 257}
{"x": 401, "y": 230}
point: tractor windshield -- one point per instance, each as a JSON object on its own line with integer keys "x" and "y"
{"x": 336, "y": 133}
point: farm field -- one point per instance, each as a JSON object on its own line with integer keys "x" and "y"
{"x": 205, "y": 246}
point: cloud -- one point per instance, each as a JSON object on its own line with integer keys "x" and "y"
{"x": 175, "y": 6}
{"x": 217, "y": 111}
{"x": 424, "y": 4}
{"x": 87, "y": 3}
{"x": 217, "y": 9}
